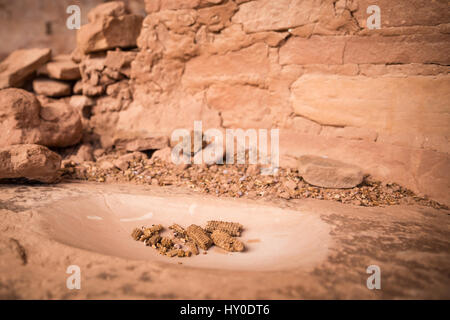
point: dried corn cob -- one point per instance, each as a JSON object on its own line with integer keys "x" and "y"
{"x": 153, "y": 240}
{"x": 199, "y": 236}
{"x": 192, "y": 247}
{"x": 178, "y": 229}
{"x": 227, "y": 242}
{"x": 172, "y": 253}
{"x": 136, "y": 234}
{"x": 176, "y": 252}
{"x": 163, "y": 250}
{"x": 152, "y": 230}
{"x": 232, "y": 228}
{"x": 166, "y": 242}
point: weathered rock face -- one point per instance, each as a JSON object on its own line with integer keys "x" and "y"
{"x": 109, "y": 27}
{"x": 84, "y": 153}
{"x": 24, "y": 120}
{"x": 419, "y": 111}
{"x": 19, "y": 114}
{"x": 83, "y": 104}
{"x": 329, "y": 173}
{"x": 310, "y": 68}
{"x": 133, "y": 143}
{"x": 266, "y": 15}
{"x": 20, "y": 65}
{"x": 30, "y": 161}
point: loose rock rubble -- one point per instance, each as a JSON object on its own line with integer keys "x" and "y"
{"x": 185, "y": 243}
{"x": 20, "y": 65}
{"x": 61, "y": 67}
{"x": 240, "y": 181}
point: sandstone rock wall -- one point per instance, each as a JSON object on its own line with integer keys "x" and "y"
{"x": 42, "y": 23}
{"x": 309, "y": 67}
{"x": 379, "y": 99}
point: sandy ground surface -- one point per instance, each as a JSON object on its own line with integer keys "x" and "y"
{"x": 297, "y": 249}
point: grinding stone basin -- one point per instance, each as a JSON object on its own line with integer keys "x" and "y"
{"x": 275, "y": 238}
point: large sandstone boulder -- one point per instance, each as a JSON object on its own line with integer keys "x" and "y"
{"x": 109, "y": 27}
{"x": 24, "y": 120}
{"x": 20, "y": 65}
{"x": 19, "y": 117}
{"x": 329, "y": 173}
{"x": 30, "y": 161}
{"x": 61, "y": 125}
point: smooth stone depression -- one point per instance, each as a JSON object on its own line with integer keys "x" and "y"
{"x": 275, "y": 238}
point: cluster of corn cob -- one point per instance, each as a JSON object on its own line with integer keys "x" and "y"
{"x": 219, "y": 233}
{"x": 165, "y": 245}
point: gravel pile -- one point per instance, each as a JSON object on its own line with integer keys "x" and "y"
{"x": 237, "y": 181}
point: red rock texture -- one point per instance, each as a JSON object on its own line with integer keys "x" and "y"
{"x": 25, "y": 120}
{"x": 20, "y": 65}
{"x": 311, "y": 68}
{"x": 304, "y": 67}
{"x": 29, "y": 161}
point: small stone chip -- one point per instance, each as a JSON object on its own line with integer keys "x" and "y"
{"x": 226, "y": 242}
